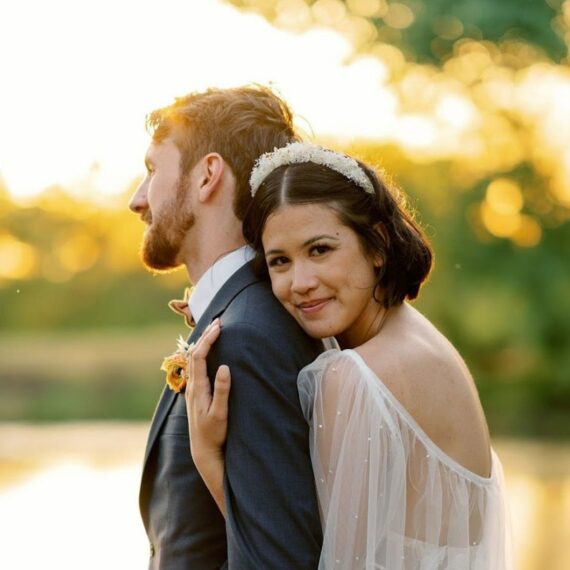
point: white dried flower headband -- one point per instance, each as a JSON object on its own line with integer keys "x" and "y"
{"x": 299, "y": 152}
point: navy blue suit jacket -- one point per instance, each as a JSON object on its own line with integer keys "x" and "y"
{"x": 272, "y": 519}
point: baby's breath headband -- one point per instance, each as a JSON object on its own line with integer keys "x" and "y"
{"x": 299, "y": 152}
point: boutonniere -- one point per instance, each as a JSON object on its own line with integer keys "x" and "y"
{"x": 175, "y": 365}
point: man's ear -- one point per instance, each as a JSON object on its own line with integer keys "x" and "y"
{"x": 211, "y": 172}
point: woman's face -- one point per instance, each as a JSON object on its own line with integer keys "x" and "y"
{"x": 320, "y": 273}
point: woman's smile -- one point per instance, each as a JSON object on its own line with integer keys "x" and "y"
{"x": 314, "y": 306}
{"x": 320, "y": 272}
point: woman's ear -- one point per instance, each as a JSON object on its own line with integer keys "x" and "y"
{"x": 211, "y": 174}
{"x": 380, "y": 228}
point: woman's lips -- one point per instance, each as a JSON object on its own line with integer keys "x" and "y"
{"x": 312, "y": 307}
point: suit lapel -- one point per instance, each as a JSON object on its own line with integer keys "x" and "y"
{"x": 242, "y": 278}
{"x": 164, "y": 404}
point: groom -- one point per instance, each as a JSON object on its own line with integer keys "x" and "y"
{"x": 193, "y": 200}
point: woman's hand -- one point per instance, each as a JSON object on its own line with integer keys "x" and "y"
{"x": 208, "y": 413}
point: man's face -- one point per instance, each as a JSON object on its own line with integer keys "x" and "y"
{"x": 163, "y": 204}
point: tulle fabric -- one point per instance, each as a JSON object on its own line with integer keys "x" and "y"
{"x": 389, "y": 498}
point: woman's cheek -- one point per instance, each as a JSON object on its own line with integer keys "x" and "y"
{"x": 279, "y": 286}
{"x": 276, "y": 284}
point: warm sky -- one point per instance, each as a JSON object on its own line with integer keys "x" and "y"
{"x": 78, "y": 78}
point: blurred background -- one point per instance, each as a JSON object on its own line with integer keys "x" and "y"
{"x": 464, "y": 103}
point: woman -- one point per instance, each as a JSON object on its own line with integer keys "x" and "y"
{"x": 404, "y": 472}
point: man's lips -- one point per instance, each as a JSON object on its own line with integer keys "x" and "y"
{"x": 314, "y": 306}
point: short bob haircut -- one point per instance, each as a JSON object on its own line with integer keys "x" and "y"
{"x": 380, "y": 220}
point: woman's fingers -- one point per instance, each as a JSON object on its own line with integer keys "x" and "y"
{"x": 197, "y": 372}
{"x": 207, "y": 406}
{"x": 209, "y": 336}
{"x": 222, "y": 382}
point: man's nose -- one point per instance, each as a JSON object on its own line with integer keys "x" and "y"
{"x": 138, "y": 202}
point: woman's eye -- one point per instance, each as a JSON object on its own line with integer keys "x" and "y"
{"x": 320, "y": 249}
{"x": 277, "y": 261}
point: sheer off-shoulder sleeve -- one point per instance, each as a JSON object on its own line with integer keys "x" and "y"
{"x": 388, "y": 497}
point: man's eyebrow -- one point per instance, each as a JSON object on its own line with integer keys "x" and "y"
{"x": 148, "y": 161}
{"x": 305, "y": 244}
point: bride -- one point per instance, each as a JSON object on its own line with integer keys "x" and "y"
{"x": 405, "y": 475}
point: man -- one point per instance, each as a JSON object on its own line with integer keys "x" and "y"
{"x": 193, "y": 200}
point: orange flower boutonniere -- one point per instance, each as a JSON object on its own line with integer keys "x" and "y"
{"x": 175, "y": 366}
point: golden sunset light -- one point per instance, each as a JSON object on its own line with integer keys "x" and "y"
{"x": 82, "y": 77}
{"x": 79, "y": 88}
{"x": 462, "y": 107}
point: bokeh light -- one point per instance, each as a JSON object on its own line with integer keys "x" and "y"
{"x": 465, "y": 105}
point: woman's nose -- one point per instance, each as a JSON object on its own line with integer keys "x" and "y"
{"x": 303, "y": 279}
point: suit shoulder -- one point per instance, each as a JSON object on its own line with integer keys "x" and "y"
{"x": 256, "y": 305}
{"x": 256, "y": 314}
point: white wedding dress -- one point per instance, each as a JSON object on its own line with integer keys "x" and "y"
{"x": 389, "y": 498}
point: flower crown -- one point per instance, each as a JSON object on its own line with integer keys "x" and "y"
{"x": 299, "y": 152}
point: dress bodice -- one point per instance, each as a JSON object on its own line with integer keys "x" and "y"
{"x": 388, "y": 496}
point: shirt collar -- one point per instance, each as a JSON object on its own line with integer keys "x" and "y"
{"x": 215, "y": 278}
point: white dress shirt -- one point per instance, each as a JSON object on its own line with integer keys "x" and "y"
{"x": 215, "y": 278}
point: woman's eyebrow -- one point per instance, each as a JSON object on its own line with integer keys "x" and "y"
{"x": 273, "y": 251}
{"x": 305, "y": 244}
{"x": 319, "y": 237}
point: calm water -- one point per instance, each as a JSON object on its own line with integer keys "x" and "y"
{"x": 68, "y": 498}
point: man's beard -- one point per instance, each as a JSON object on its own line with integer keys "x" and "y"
{"x": 165, "y": 235}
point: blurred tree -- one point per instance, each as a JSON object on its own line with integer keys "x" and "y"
{"x": 504, "y": 305}
{"x": 492, "y": 187}
{"x": 426, "y": 31}
{"x": 68, "y": 263}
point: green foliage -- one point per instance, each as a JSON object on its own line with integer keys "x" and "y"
{"x": 506, "y": 308}
{"x": 83, "y": 375}
{"x": 523, "y": 20}
{"x": 438, "y": 24}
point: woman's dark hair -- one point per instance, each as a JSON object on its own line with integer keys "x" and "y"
{"x": 381, "y": 221}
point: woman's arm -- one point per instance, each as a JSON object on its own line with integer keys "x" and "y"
{"x": 208, "y": 414}
{"x": 347, "y": 455}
